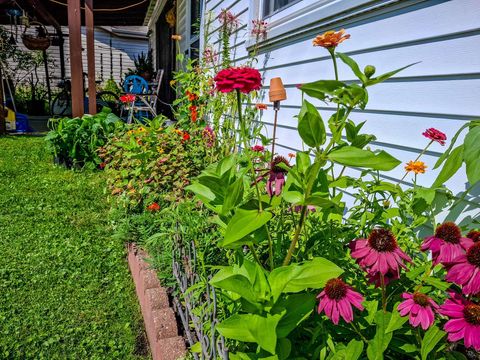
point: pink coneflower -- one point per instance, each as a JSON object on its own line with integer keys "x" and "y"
{"x": 337, "y": 299}
{"x": 419, "y": 307}
{"x": 435, "y": 135}
{"x": 258, "y": 148}
{"x": 276, "y": 180}
{"x": 474, "y": 235}
{"x": 446, "y": 244}
{"x": 465, "y": 270}
{"x": 387, "y": 278}
{"x": 259, "y": 28}
{"x": 379, "y": 253}
{"x": 464, "y": 320}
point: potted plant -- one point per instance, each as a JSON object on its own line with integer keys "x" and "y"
{"x": 143, "y": 66}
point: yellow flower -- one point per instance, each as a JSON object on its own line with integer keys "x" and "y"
{"x": 173, "y": 82}
{"x": 160, "y": 150}
{"x": 418, "y": 167}
{"x": 177, "y": 37}
{"x": 330, "y": 39}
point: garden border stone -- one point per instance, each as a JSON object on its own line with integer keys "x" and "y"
{"x": 158, "y": 316}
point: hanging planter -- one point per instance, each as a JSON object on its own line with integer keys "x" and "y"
{"x": 41, "y": 41}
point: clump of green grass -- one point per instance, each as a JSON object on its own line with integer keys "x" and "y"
{"x": 65, "y": 289}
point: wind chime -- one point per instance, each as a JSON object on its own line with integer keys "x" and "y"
{"x": 14, "y": 15}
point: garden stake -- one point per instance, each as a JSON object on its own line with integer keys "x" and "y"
{"x": 276, "y": 94}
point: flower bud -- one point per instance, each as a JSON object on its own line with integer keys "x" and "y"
{"x": 369, "y": 71}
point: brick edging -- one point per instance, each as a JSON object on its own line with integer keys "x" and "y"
{"x": 158, "y": 316}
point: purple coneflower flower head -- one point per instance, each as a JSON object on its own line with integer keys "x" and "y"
{"x": 276, "y": 179}
{"x": 419, "y": 307}
{"x": 464, "y": 320}
{"x": 337, "y": 299}
{"x": 379, "y": 254}
{"x": 447, "y": 243}
{"x": 474, "y": 235}
{"x": 465, "y": 270}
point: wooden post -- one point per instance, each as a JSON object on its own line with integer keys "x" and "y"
{"x": 3, "y": 125}
{"x": 92, "y": 94}
{"x": 76, "y": 66}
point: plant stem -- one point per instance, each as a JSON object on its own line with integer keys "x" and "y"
{"x": 359, "y": 333}
{"x": 293, "y": 244}
{"x": 384, "y": 297}
{"x": 418, "y": 157}
{"x": 331, "y": 50}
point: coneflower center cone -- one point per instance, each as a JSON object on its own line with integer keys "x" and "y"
{"x": 421, "y": 299}
{"x": 472, "y": 314}
{"x": 382, "y": 240}
{"x": 473, "y": 254}
{"x": 449, "y": 232}
{"x": 336, "y": 289}
{"x": 474, "y": 235}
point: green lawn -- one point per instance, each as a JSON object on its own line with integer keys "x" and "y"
{"x": 65, "y": 289}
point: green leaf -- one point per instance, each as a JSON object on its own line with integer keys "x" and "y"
{"x": 293, "y": 197}
{"x": 430, "y": 340}
{"x": 196, "y": 348}
{"x": 396, "y": 320}
{"x": 244, "y": 222}
{"x": 354, "y": 350}
{"x": 442, "y": 158}
{"x": 252, "y": 328}
{"x": 320, "y": 201}
{"x": 379, "y": 343}
{"x": 371, "y": 307}
{"x": 471, "y": 155}
{"x": 310, "y": 125}
{"x": 202, "y": 191}
{"x": 230, "y": 280}
{"x": 386, "y": 76}
{"x": 319, "y": 89}
{"x": 234, "y": 195}
{"x": 297, "y": 306}
{"x": 354, "y": 66}
{"x": 352, "y": 156}
{"x": 453, "y": 163}
{"x": 312, "y": 274}
{"x": 437, "y": 283}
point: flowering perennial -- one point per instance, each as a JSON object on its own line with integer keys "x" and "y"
{"x": 244, "y": 79}
{"x": 331, "y": 39}
{"x": 420, "y": 309}
{"x": 464, "y": 270}
{"x": 435, "y": 135}
{"x": 418, "y": 167}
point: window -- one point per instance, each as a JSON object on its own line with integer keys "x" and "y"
{"x": 194, "y": 38}
{"x": 271, "y": 6}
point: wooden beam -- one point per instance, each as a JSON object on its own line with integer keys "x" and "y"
{"x": 3, "y": 125}
{"x": 76, "y": 66}
{"x": 92, "y": 100}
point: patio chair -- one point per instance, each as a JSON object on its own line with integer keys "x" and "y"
{"x": 148, "y": 101}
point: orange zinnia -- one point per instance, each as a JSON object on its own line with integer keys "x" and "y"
{"x": 260, "y": 106}
{"x": 331, "y": 39}
{"x": 418, "y": 167}
{"x": 177, "y": 37}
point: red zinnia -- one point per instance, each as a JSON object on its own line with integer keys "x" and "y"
{"x": 258, "y": 148}
{"x": 447, "y": 243}
{"x": 379, "y": 254}
{"x": 153, "y": 207}
{"x": 337, "y": 299}
{"x": 186, "y": 136}
{"x": 191, "y": 96}
{"x": 465, "y": 270}
{"x": 244, "y": 79}
{"x": 193, "y": 113}
{"x": 435, "y": 135}
{"x": 419, "y": 308}
{"x": 128, "y": 98}
{"x": 464, "y": 320}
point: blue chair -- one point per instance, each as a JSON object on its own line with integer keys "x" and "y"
{"x": 135, "y": 84}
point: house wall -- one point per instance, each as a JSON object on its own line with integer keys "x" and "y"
{"x": 113, "y": 54}
{"x": 441, "y": 91}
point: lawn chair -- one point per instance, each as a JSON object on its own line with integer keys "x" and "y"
{"x": 137, "y": 86}
{"x": 148, "y": 101}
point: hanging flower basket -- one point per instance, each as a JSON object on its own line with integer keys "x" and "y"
{"x": 41, "y": 41}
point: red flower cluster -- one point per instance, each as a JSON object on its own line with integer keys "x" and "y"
{"x": 258, "y": 148}
{"x": 244, "y": 79}
{"x": 186, "y": 136}
{"x": 153, "y": 207}
{"x": 435, "y": 135}
{"x": 128, "y": 98}
{"x": 191, "y": 96}
{"x": 193, "y": 113}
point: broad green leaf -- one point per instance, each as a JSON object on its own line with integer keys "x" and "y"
{"x": 312, "y": 274}
{"x": 310, "y": 126}
{"x": 352, "y": 156}
{"x": 442, "y": 158}
{"x": 451, "y": 166}
{"x": 297, "y": 306}
{"x": 319, "y": 89}
{"x": 379, "y": 343}
{"x": 201, "y": 191}
{"x": 430, "y": 340}
{"x": 471, "y": 155}
{"x": 354, "y": 350}
{"x": 353, "y": 65}
{"x": 386, "y": 76}
{"x": 196, "y": 348}
{"x": 303, "y": 161}
{"x": 252, "y": 328}
{"x": 437, "y": 283}
{"x": 293, "y": 197}
{"x": 231, "y": 280}
{"x": 234, "y": 195}
{"x": 371, "y": 307}
{"x": 283, "y": 349}
{"x": 317, "y": 200}
{"x": 396, "y": 320}
{"x": 244, "y": 222}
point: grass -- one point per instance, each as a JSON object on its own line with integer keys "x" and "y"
{"x": 65, "y": 289}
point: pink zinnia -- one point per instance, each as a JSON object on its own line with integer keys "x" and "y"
{"x": 419, "y": 307}
{"x": 337, "y": 299}
{"x": 435, "y": 135}
{"x": 447, "y": 243}
{"x": 464, "y": 320}
{"x": 258, "y": 148}
{"x": 379, "y": 253}
{"x": 465, "y": 270}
